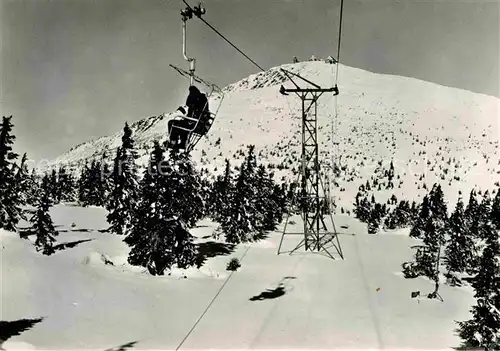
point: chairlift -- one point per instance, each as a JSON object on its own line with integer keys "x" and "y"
{"x": 202, "y": 123}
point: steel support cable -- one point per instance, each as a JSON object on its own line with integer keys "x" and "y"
{"x": 230, "y": 43}
{"x": 334, "y": 159}
{"x": 210, "y": 304}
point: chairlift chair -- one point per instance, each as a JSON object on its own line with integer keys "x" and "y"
{"x": 200, "y": 127}
{"x": 196, "y": 132}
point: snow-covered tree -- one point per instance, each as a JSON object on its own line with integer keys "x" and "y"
{"x": 83, "y": 185}
{"x": 222, "y": 188}
{"x": 279, "y": 199}
{"x": 483, "y": 217}
{"x": 158, "y": 238}
{"x": 54, "y": 186}
{"x": 41, "y": 222}
{"x": 471, "y": 212}
{"x": 431, "y": 226}
{"x": 480, "y": 227}
{"x": 362, "y": 208}
{"x": 92, "y": 185}
{"x": 33, "y": 187}
{"x": 106, "y": 176}
{"x": 241, "y": 219}
{"x": 123, "y": 198}
{"x": 418, "y": 228}
{"x": 66, "y": 185}
{"x": 238, "y": 224}
{"x": 263, "y": 202}
{"x": 184, "y": 182}
{"x": 483, "y": 329}
{"x": 375, "y": 219}
{"x": 11, "y": 197}
{"x": 459, "y": 251}
{"x": 400, "y": 217}
{"x": 495, "y": 210}
{"x": 22, "y": 182}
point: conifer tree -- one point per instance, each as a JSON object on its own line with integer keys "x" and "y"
{"x": 92, "y": 185}
{"x": 242, "y": 217}
{"x": 66, "y": 185}
{"x": 158, "y": 237}
{"x": 238, "y": 223}
{"x": 84, "y": 185}
{"x": 363, "y": 208}
{"x": 54, "y": 186}
{"x": 471, "y": 212}
{"x": 124, "y": 195}
{"x": 33, "y": 188}
{"x": 390, "y": 176}
{"x": 431, "y": 227}
{"x": 263, "y": 202}
{"x": 99, "y": 183}
{"x": 375, "y": 219}
{"x": 480, "y": 227}
{"x": 415, "y": 211}
{"x": 280, "y": 201}
{"x": 185, "y": 186}
{"x": 483, "y": 329}
{"x": 11, "y": 198}
{"x": 495, "y": 210}
{"x": 434, "y": 237}
{"x": 401, "y": 216}
{"x": 222, "y": 188}
{"x": 424, "y": 214}
{"x": 106, "y": 177}
{"x": 22, "y": 183}
{"x": 483, "y": 217}
{"x": 459, "y": 252}
{"x": 41, "y": 222}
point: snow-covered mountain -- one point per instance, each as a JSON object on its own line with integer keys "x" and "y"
{"x": 431, "y": 132}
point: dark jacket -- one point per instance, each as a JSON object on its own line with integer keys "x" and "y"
{"x": 196, "y": 102}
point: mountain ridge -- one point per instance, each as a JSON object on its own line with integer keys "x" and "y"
{"x": 423, "y": 127}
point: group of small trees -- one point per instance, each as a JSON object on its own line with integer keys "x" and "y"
{"x": 482, "y": 225}
{"x": 248, "y": 203}
{"x": 19, "y": 188}
{"x": 153, "y": 212}
{"x": 403, "y": 215}
{"x": 369, "y": 211}
{"x": 470, "y": 238}
{"x": 94, "y": 184}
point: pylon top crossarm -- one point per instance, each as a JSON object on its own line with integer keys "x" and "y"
{"x": 289, "y": 74}
{"x": 297, "y": 89}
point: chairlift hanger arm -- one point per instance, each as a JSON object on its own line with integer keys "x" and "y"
{"x": 196, "y": 78}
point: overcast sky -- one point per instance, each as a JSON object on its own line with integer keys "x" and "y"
{"x": 73, "y": 70}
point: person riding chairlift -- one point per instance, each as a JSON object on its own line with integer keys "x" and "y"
{"x": 197, "y": 105}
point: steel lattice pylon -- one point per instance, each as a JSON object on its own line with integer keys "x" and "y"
{"x": 313, "y": 195}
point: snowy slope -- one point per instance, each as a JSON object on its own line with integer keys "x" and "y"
{"x": 361, "y": 302}
{"x": 431, "y": 132}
